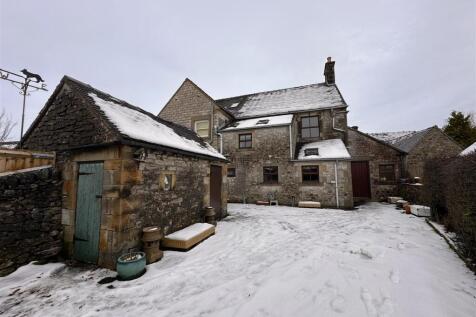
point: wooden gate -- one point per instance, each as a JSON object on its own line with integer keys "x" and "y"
{"x": 361, "y": 179}
{"x": 88, "y": 212}
{"x": 215, "y": 188}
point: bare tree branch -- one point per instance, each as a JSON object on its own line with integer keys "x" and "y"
{"x": 6, "y": 126}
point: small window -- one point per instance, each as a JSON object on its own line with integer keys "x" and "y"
{"x": 386, "y": 172}
{"x": 245, "y": 141}
{"x": 311, "y": 151}
{"x": 167, "y": 181}
{"x": 264, "y": 121}
{"x": 202, "y": 127}
{"x": 270, "y": 174}
{"x": 310, "y": 127}
{"x": 310, "y": 174}
{"x": 234, "y": 105}
{"x": 231, "y": 172}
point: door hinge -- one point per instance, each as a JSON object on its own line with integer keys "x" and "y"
{"x": 78, "y": 239}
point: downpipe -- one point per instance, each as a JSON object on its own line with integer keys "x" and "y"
{"x": 337, "y": 183}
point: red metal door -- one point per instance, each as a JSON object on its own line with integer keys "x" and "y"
{"x": 361, "y": 179}
{"x": 215, "y": 188}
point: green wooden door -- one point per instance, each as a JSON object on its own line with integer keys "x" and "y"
{"x": 88, "y": 212}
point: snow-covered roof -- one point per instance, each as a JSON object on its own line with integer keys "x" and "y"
{"x": 326, "y": 150}
{"x": 406, "y": 140}
{"x": 469, "y": 149}
{"x": 282, "y": 101}
{"x": 261, "y": 122}
{"x": 403, "y": 140}
{"x": 391, "y": 137}
{"x": 139, "y": 125}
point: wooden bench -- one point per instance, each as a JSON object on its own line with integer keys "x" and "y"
{"x": 188, "y": 237}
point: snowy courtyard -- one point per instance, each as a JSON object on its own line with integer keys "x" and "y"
{"x": 270, "y": 261}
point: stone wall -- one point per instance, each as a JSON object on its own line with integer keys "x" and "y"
{"x": 132, "y": 196}
{"x": 364, "y": 148}
{"x": 180, "y": 206}
{"x": 66, "y": 124}
{"x": 271, "y": 148}
{"x": 434, "y": 144}
{"x": 30, "y": 217}
{"x": 326, "y": 130}
{"x": 189, "y": 104}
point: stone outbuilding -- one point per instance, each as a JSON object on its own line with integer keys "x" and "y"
{"x": 123, "y": 169}
{"x": 376, "y": 166}
{"x": 419, "y": 146}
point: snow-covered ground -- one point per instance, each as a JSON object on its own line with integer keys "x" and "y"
{"x": 271, "y": 261}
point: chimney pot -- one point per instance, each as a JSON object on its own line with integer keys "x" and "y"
{"x": 329, "y": 71}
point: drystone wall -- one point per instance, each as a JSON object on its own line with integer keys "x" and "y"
{"x": 30, "y": 217}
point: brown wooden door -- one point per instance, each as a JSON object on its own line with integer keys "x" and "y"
{"x": 361, "y": 179}
{"x": 215, "y": 188}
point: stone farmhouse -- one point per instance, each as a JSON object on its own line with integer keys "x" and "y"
{"x": 294, "y": 144}
{"x": 123, "y": 169}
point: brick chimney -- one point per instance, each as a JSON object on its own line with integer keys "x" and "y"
{"x": 329, "y": 72}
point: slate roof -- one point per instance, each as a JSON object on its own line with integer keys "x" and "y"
{"x": 391, "y": 137}
{"x": 136, "y": 126}
{"x": 283, "y": 101}
{"x": 404, "y": 140}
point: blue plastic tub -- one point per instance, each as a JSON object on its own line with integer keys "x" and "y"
{"x": 131, "y": 265}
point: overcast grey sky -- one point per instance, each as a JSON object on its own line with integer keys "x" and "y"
{"x": 401, "y": 65}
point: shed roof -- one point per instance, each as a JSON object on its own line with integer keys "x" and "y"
{"x": 137, "y": 126}
{"x": 407, "y": 140}
{"x": 404, "y": 140}
{"x": 283, "y": 101}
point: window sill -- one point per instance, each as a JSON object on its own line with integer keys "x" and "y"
{"x": 270, "y": 184}
{"x": 310, "y": 184}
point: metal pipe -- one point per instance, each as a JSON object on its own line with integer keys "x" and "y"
{"x": 25, "y": 91}
{"x": 337, "y": 183}
{"x": 290, "y": 142}
{"x": 221, "y": 141}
